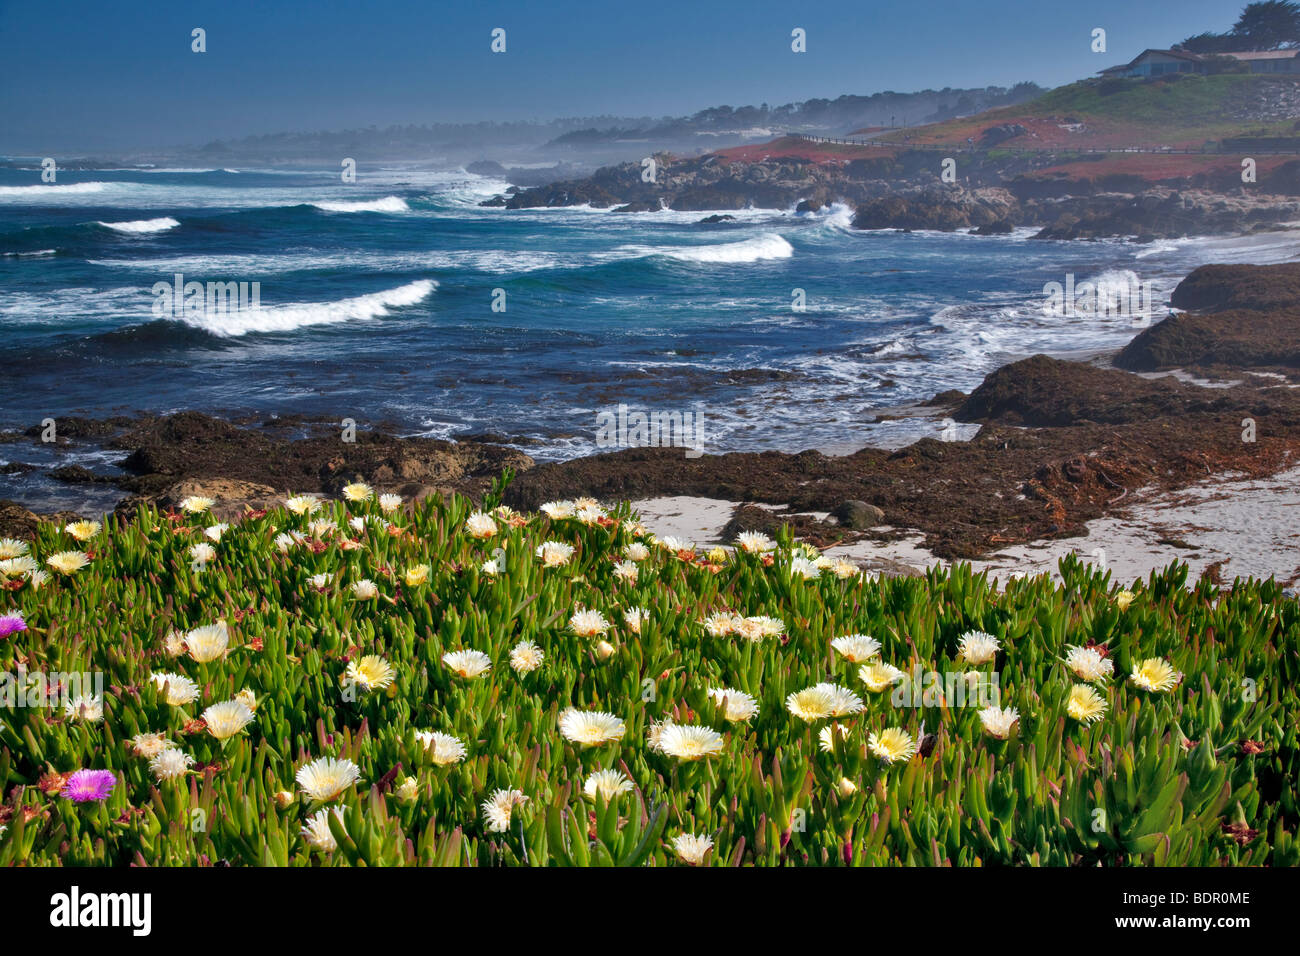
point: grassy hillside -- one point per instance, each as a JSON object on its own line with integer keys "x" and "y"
{"x": 1176, "y": 111}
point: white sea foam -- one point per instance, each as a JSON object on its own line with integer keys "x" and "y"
{"x": 51, "y": 190}
{"x": 387, "y": 204}
{"x": 767, "y": 246}
{"x": 286, "y": 318}
{"x": 141, "y": 226}
{"x": 479, "y": 260}
{"x": 37, "y": 254}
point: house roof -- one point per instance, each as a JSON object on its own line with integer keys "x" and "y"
{"x": 1199, "y": 57}
{"x": 1176, "y": 54}
{"x": 1263, "y": 54}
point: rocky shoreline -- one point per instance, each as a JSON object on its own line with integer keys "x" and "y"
{"x": 1061, "y": 443}
{"x": 899, "y": 188}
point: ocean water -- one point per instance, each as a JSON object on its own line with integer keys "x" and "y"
{"x": 376, "y": 303}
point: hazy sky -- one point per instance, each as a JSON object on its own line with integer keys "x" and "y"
{"x": 103, "y": 74}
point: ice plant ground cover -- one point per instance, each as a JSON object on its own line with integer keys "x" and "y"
{"x": 361, "y": 681}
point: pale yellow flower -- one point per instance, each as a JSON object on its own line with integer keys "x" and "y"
{"x": 170, "y": 763}
{"x": 83, "y": 530}
{"x": 688, "y": 742}
{"x": 554, "y": 554}
{"x": 358, "y": 491}
{"x": 606, "y": 783}
{"x": 826, "y": 736}
{"x": 634, "y": 617}
{"x": 227, "y": 718}
{"x": 202, "y": 553}
{"x": 590, "y": 728}
{"x": 480, "y": 525}
{"x": 755, "y": 542}
{"x": 691, "y": 848}
{"x": 526, "y": 657}
{"x": 12, "y": 548}
{"x": 303, "y": 504}
{"x": 1155, "y": 674}
{"x": 1088, "y": 663}
{"x": 856, "y": 648}
{"x": 588, "y": 623}
{"x": 998, "y": 721}
{"x": 443, "y": 749}
{"x": 86, "y": 707}
{"x": 178, "y": 690}
{"x": 739, "y": 705}
{"x": 317, "y": 831}
{"x": 892, "y": 745}
{"x": 327, "y": 778}
{"x": 68, "y": 562}
{"x": 1085, "y": 704}
{"x": 371, "y": 672}
{"x": 468, "y": 664}
{"x": 149, "y": 745}
{"x": 208, "y": 643}
{"x": 879, "y": 676}
{"x": 498, "y": 809}
{"x": 977, "y": 647}
{"x": 813, "y": 703}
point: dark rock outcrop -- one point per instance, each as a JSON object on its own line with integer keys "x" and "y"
{"x": 1000, "y": 134}
{"x": 1237, "y": 339}
{"x": 1160, "y": 212}
{"x": 943, "y": 207}
{"x": 1047, "y": 392}
{"x": 858, "y": 515}
{"x": 189, "y": 445}
{"x": 1218, "y": 287}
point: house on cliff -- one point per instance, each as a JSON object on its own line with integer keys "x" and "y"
{"x": 1150, "y": 63}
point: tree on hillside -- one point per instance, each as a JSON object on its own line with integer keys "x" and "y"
{"x": 1208, "y": 43}
{"x": 1265, "y": 25}
{"x": 1269, "y": 25}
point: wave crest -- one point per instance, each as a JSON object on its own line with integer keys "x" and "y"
{"x": 52, "y": 189}
{"x": 287, "y": 318}
{"x": 387, "y": 204}
{"x": 141, "y": 226}
{"x": 767, "y": 246}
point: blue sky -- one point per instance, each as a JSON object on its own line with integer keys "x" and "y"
{"x": 110, "y": 73}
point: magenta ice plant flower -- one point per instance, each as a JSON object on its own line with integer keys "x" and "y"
{"x": 86, "y": 785}
{"x": 11, "y": 623}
